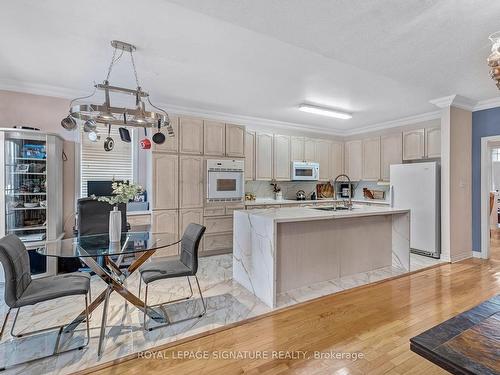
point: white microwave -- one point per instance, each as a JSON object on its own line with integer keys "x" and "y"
{"x": 225, "y": 180}
{"x": 305, "y": 171}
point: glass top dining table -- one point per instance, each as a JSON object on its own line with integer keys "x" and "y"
{"x": 96, "y": 245}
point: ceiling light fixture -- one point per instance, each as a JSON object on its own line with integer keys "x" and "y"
{"x": 494, "y": 58}
{"x": 107, "y": 114}
{"x": 309, "y": 108}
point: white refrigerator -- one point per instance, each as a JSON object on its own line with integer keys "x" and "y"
{"x": 417, "y": 187}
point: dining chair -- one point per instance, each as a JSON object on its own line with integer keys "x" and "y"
{"x": 185, "y": 266}
{"x": 21, "y": 290}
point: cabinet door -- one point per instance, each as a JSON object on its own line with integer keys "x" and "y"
{"x": 337, "y": 159}
{"x": 190, "y": 181}
{"x": 214, "y": 138}
{"x": 191, "y": 135}
{"x": 433, "y": 142}
{"x": 391, "y": 152}
{"x": 353, "y": 159}
{"x": 297, "y": 149}
{"x": 166, "y": 221}
{"x": 165, "y": 181}
{"x": 413, "y": 144}
{"x": 281, "y": 157}
{"x": 171, "y": 144}
{"x": 235, "y": 140}
{"x": 310, "y": 149}
{"x": 189, "y": 216}
{"x": 371, "y": 159}
{"x": 249, "y": 155}
{"x": 324, "y": 158}
{"x": 264, "y": 156}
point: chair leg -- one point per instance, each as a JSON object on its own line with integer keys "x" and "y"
{"x": 145, "y": 308}
{"x": 201, "y": 296}
{"x": 140, "y": 285}
{"x": 4, "y": 323}
{"x": 103, "y": 321}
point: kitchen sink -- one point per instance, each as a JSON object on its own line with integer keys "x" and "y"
{"x": 331, "y": 208}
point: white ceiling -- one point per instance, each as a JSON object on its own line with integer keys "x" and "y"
{"x": 380, "y": 60}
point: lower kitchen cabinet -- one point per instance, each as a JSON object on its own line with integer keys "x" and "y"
{"x": 217, "y": 243}
{"x": 166, "y": 221}
{"x": 218, "y": 236}
{"x": 189, "y": 216}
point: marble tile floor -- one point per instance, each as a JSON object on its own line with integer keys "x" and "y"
{"x": 227, "y": 302}
{"x": 418, "y": 262}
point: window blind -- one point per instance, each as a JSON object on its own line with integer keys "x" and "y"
{"x": 100, "y": 165}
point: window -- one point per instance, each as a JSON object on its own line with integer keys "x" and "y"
{"x": 495, "y": 154}
{"x": 98, "y": 164}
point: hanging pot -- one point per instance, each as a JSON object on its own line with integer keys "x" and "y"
{"x": 69, "y": 123}
{"x": 109, "y": 143}
{"x": 145, "y": 142}
{"x": 89, "y": 126}
{"x": 125, "y": 135}
{"x": 159, "y": 137}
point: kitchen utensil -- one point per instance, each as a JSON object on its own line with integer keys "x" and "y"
{"x": 145, "y": 142}
{"x": 89, "y": 126}
{"x": 93, "y": 137}
{"x": 125, "y": 135}
{"x": 313, "y": 196}
{"x": 109, "y": 143}
{"x": 68, "y": 123}
{"x": 301, "y": 195}
{"x": 159, "y": 137}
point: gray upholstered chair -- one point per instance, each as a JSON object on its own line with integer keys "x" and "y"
{"x": 21, "y": 290}
{"x": 185, "y": 266}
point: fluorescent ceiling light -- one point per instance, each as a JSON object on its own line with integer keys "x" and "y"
{"x": 324, "y": 111}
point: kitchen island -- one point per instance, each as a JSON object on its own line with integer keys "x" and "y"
{"x": 278, "y": 250}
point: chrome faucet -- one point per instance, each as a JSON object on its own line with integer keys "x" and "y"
{"x": 348, "y": 205}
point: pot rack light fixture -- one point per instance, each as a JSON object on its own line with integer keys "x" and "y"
{"x": 494, "y": 58}
{"x": 323, "y": 111}
{"x": 106, "y": 113}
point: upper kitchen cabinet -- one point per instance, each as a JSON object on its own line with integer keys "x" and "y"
{"x": 353, "y": 159}
{"x": 324, "y": 158}
{"x": 214, "y": 138}
{"x": 414, "y": 144}
{"x": 433, "y": 142}
{"x": 282, "y": 157}
{"x": 297, "y": 148}
{"x": 171, "y": 144}
{"x": 165, "y": 181}
{"x": 264, "y": 156}
{"x": 249, "y": 155}
{"x": 235, "y": 140}
{"x": 337, "y": 159}
{"x": 371, "y": 159}
{"x": 310, "y": 150}
{"x": 391, "y": 152}
{"x": 191, "y": 135}
{"x": 191, "y": 181}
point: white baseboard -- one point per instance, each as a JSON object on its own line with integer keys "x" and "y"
{"x": 477, "y": 254}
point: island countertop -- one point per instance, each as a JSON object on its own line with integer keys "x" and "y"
{"x": 292, "y": 214}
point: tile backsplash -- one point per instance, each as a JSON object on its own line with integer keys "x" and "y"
{"x": 263, "y": 189}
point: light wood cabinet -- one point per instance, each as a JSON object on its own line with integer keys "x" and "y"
{"x": 166, "y": 221}
{"x": 188, "y": 216}
{"x": 391, "y": 152}
{"x": 171, "y": 144}
{"x": 297, "y": 149}
{"x": 249, "y": 155}
{"x": 138, "y": 220}
{"x": 433, "y": 142}
{"x": 310, "y": 149}
{"x": 190, "y": 181}
{"x": 191, "y": 135}
{"x": 371, "y": 159}
{"x": 165, "y": 181}
{"x": 264, "y": 156}
{"x": 324, "y": 158}
{"x": 281, "y": 157}
{"x": 214, "y": 138}
{"x": 235, "y": 140}
{"x": 414, "y": 144}
{"x": 337, "y": 159}
{"x": 353, "y": 159}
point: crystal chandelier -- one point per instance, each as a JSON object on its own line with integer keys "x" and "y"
{"x": 494, "y": 57}
{"x": 109, "y": 115}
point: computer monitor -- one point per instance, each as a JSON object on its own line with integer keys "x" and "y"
{"x": 100, "y": 188}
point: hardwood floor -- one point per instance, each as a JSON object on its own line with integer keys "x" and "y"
{"x": 376, "y": 321}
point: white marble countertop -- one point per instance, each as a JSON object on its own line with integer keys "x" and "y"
{"x": 270, "y": 201}
{"x": 291, "y": 214}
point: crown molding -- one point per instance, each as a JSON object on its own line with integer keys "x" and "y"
{"x": 456, "y": 101}
{"x": 487, "y": 104}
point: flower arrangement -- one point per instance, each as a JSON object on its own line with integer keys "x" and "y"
{"x": 123, "y": 192}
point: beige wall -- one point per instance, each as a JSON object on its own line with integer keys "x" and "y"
{"x": 45, "y": 113}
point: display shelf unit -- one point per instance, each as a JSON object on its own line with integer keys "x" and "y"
{"x": 31, "y": 174}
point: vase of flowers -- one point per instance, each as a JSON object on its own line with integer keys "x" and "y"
{"x": 123, "y": 192}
